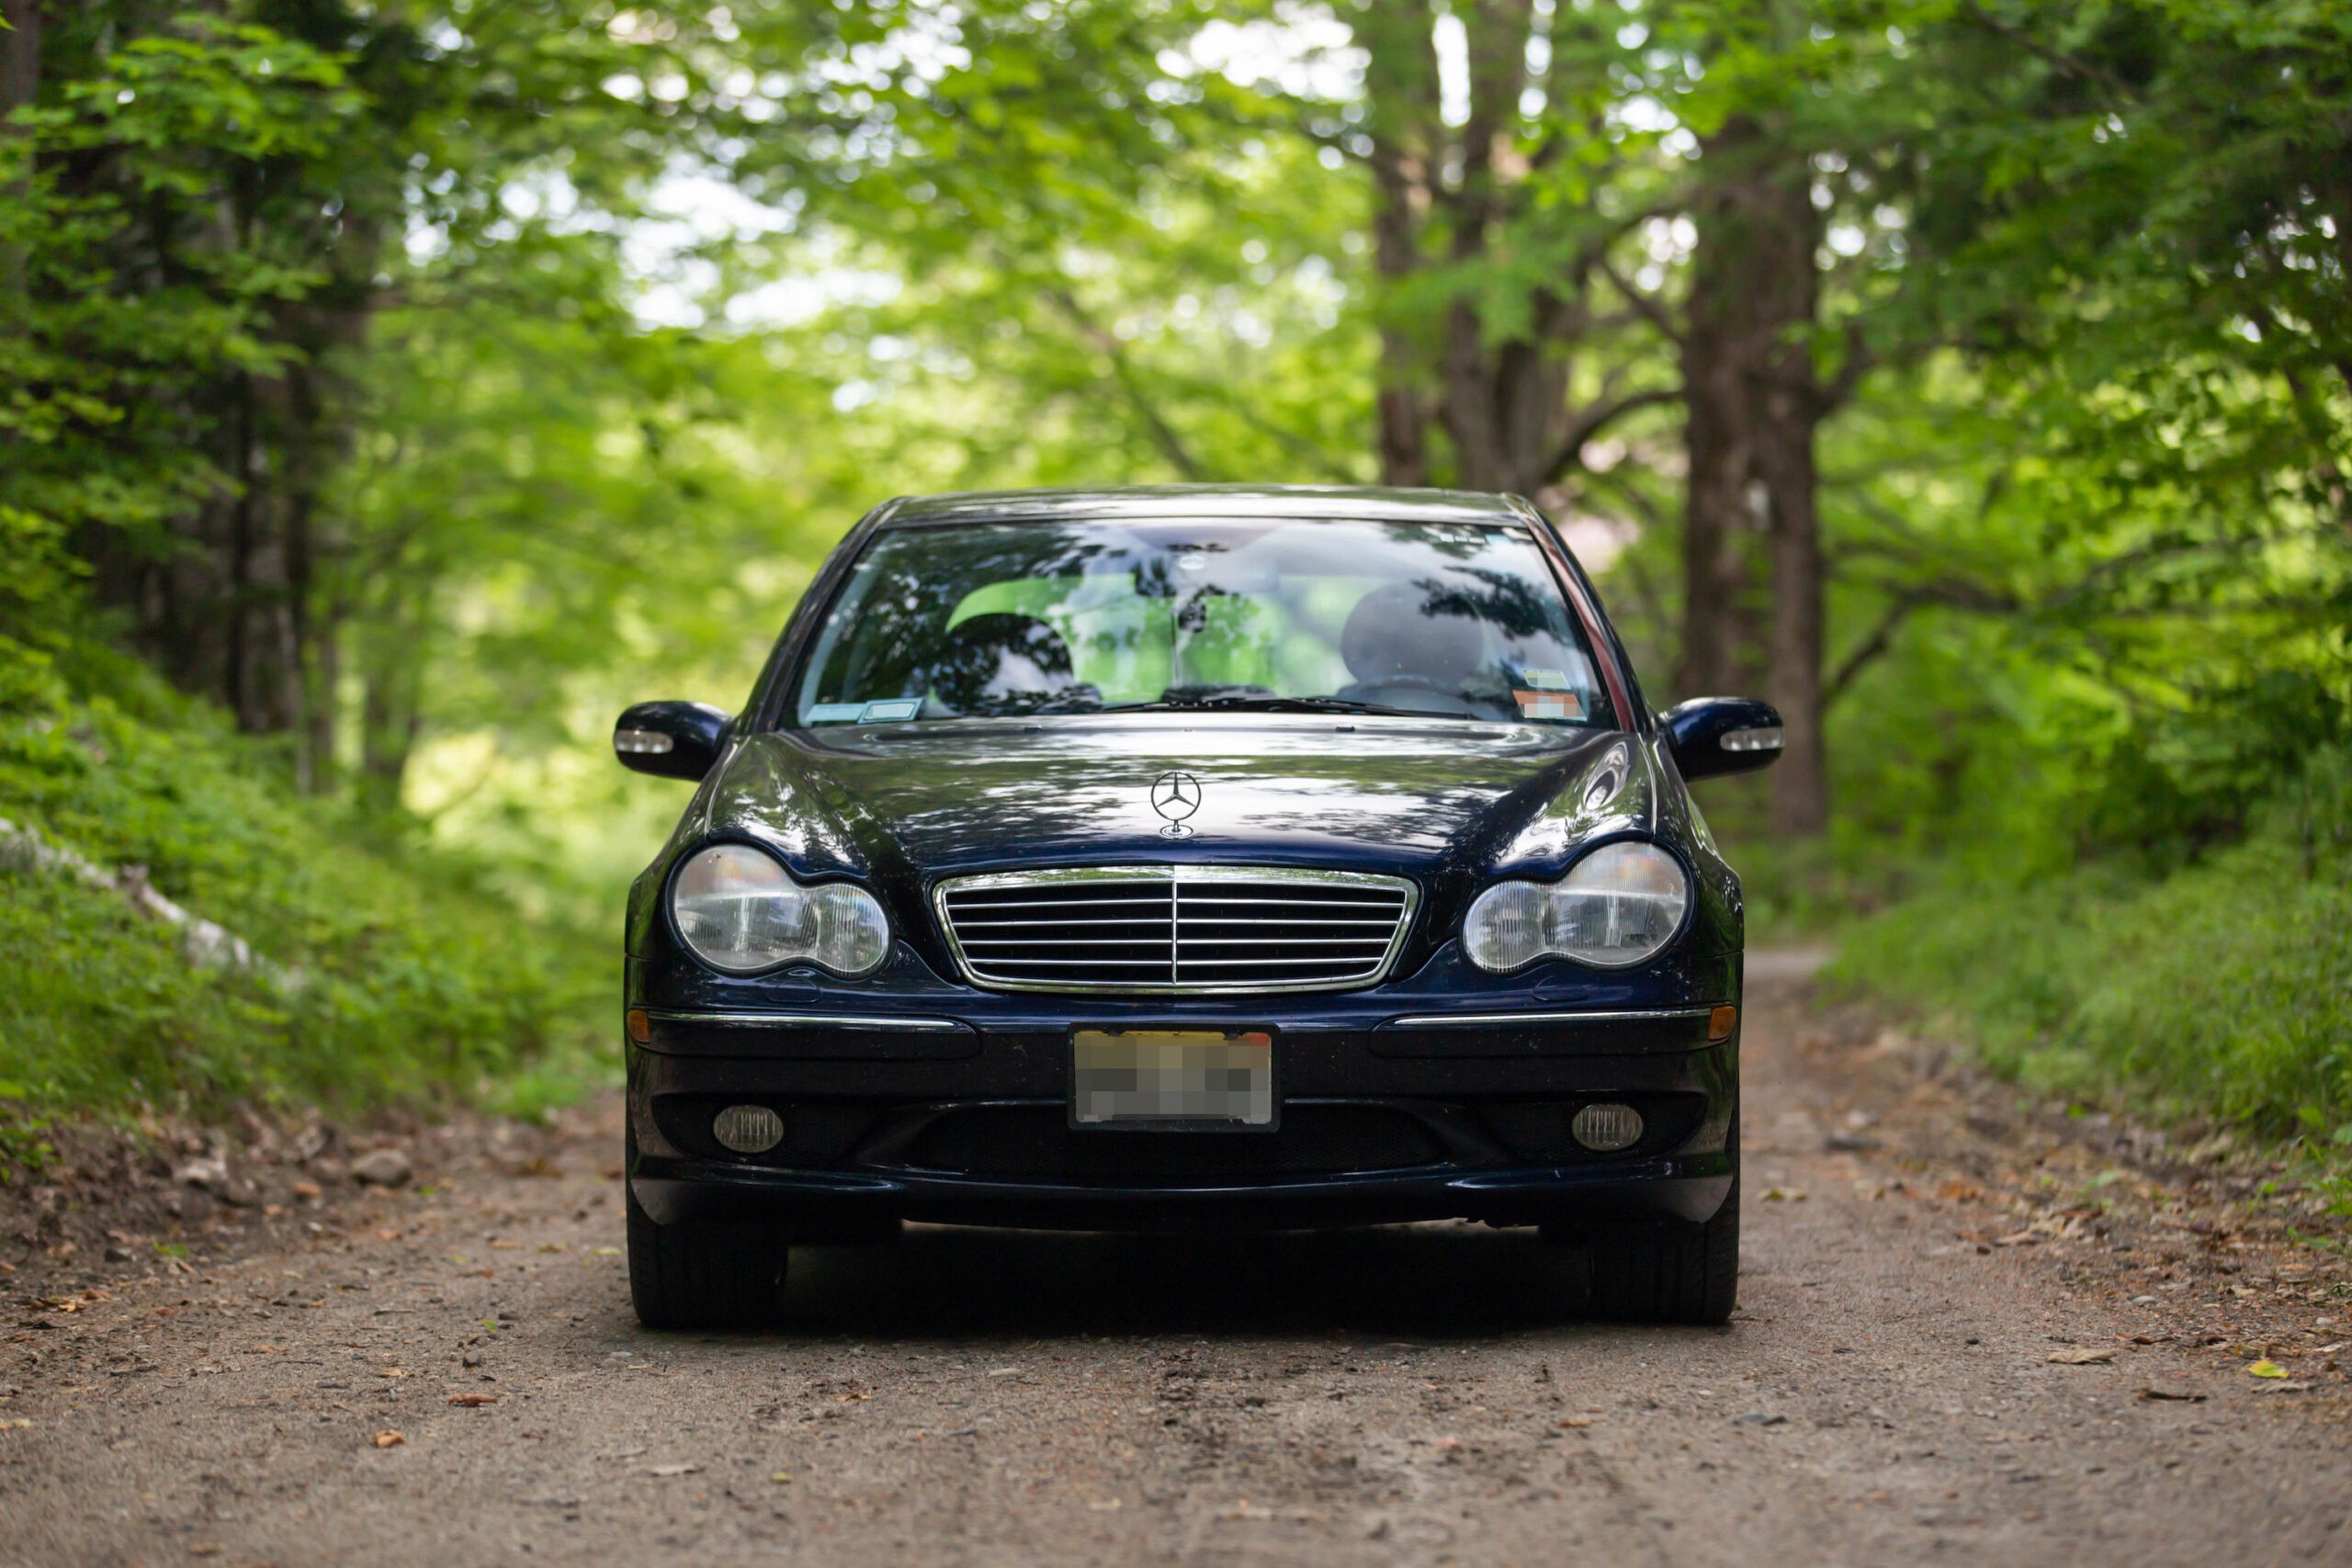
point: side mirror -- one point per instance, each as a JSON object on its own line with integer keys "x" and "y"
{"x": 672, "y": 740}
{"x": 1723, "y": 735}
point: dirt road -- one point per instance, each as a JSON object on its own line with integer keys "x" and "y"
{"x": 1404, "y": 1396}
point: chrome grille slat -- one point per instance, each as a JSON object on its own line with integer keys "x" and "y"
{"x": 1176, "y": 928}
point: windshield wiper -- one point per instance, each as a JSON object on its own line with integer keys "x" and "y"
{"x": 1238, "y": 701}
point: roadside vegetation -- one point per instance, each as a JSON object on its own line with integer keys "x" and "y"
{"x": 2219, "y": 993}
{"x": 375, "y": 969}
{"x": 301, "y": 955}
{"x": 388, "y": 394}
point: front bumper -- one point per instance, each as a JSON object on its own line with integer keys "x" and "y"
{"x": 1379, "y": 1125}
{"x": 1690, "y": 1187}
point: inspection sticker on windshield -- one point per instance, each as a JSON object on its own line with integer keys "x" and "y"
{"x": 1544, "y": 680}
{"x": 1171, "y": 1078}
{"x": 1549, "y": 705}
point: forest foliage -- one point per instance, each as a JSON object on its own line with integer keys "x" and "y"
{"x": 411, "y": 385}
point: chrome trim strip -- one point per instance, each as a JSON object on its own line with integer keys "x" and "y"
{"x": 1474, "y": 1019}
{"x": 1174, "y": 876}
{"x": 808, "y": 1021}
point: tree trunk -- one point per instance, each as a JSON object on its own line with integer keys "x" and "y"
{"x": 1799, "y": 782}
{"x": 20, "y": 88}
{"x": 1461, "y": 195}
{"x": 390, "y": 716}
{"x": 1727, "y": 331}
{"x": 1404, "y": 439}
{"x": 1754, "y": 409}
{"x": 1400, "y": 81}
{"x": 1719, "y": 443}
{"x": 1792, "y": 407}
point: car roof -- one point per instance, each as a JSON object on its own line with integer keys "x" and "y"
{"x": 1120, "y": 502}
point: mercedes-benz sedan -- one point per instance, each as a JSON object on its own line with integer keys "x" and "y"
{"x": 1194, "y": 856}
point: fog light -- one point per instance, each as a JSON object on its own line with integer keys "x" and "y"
{"x": 1606, "y": 1127}
{"x": 755, "y": 1129}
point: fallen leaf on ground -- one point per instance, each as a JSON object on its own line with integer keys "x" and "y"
{"x": 2081, "y": 1357}
{"x": 389, "y": 1439}
{"x": 2167, "y": 1393}
{"x": 389, "y": 1372}
{"x": 666, "y": 1470}
{"x": 1449, "y": 1445}
{"x": 2017, "y": 1238}
{"x": 473, "y": 1401}
{"x": 1783, "y": 1195}
{"x": 1575, "y": 1421}
{"x": 604, "y": 1252}
{"x": 2267, "y": 1368}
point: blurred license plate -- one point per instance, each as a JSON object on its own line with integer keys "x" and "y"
{"x": 1173, "y": 1079}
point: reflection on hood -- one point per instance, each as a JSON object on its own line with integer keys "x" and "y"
{"x": 1412, "y": 794}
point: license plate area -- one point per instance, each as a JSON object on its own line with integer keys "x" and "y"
{"x": 1172, "y": 1080}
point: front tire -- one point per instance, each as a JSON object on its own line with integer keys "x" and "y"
{"x": 1669, "y": 1270}
{"x": 698, "y": 1274}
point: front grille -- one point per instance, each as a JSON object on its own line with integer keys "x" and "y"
{"x": 1176, "y": 928}
{"x": 1037, "y": 1141}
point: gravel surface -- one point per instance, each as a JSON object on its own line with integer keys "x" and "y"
{"x": 449, "y": 1373}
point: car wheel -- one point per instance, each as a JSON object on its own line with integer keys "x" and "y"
{"x": 701, "y": 1275}
{"x": 1669, "y": 1270}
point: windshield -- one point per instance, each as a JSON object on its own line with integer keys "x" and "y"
{"x": 998, "y": 620}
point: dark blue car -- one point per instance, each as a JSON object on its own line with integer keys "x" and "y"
{"x": 1196, "y": 856}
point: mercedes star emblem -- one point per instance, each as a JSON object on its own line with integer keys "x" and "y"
{"x": 1175, "y": 795}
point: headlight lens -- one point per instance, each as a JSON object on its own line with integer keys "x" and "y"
{"x": 739, "y": 912}
{"x": 1618, "y": 906}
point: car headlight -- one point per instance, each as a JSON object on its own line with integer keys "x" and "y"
{"x": 1617, "y": 906}
{"x": 740, "y": 912}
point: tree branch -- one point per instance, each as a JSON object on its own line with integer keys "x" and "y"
{"x": 1596, "y": 418}
{"x": 1860, "y": 361}
{"x": 1643, "y": 302}
{"x": 1163, "y": 435}
{"x": 1881, "y": 638}
{"x": 2043, "y": 51}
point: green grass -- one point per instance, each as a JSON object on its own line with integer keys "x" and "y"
{"x": 2222, "y": 990}
{"x": 401, "y": 976}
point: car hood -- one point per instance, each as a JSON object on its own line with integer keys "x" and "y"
{"x": 1451, "y": 805}
{"x": 1405, "y": 796}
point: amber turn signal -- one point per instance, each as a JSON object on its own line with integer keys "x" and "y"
{"x": 641, "y": 1028}
{"x": 1719, "y": 1024}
